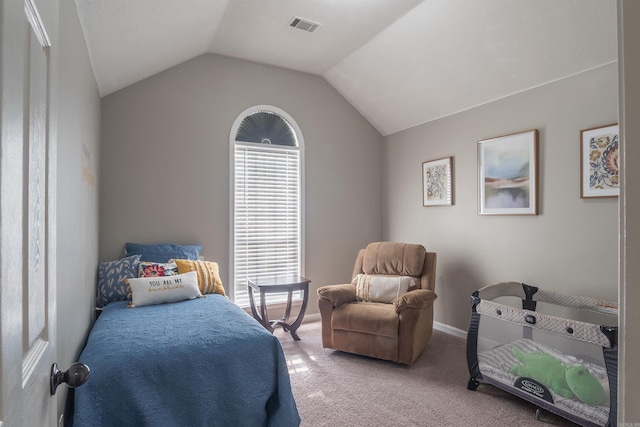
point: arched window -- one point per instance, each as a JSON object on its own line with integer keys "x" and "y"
{"x": 266, "y": 198}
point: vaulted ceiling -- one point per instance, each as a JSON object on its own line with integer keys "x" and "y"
{"x": 399, "y": 62}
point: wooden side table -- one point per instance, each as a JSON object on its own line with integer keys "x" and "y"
{"x": 288, "y": 284}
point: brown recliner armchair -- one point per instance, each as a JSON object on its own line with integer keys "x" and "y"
{"x": 397, "y": 331}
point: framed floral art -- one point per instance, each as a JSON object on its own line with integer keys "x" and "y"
{"x": 599, "y": 154}
{"x": 437, "y": 182}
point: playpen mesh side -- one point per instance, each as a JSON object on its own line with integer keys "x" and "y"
{"x": 516, "y": 289}
{"x": 572, "y": 329}
{"x": 496, "y": 329}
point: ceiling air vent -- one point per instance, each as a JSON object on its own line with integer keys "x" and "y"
{"x": 304, "y": 24}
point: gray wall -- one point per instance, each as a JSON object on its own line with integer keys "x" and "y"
{"x": 77, "y": 204}
{"x": 165, "y": 162}
{"x": 571, "y": 246}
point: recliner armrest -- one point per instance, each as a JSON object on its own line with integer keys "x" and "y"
{"x": 338, "y": 294}
{"x": 417, "y": 298}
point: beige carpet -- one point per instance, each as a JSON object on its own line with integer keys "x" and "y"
{"x": 332, "y": 388}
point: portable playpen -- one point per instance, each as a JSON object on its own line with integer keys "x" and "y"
{"x": 558, "y": 351}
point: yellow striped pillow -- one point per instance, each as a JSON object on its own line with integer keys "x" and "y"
{"x": 208, "y": 274}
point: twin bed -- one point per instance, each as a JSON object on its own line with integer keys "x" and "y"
{"x": 196, "y": 362}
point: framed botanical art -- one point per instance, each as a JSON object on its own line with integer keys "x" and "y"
{"x": 508, "y": 174}
{"x": 599, "y": 155}
{"x": 437, "y": 182}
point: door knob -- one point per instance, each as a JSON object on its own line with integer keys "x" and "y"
{"x": 75, "y": 376}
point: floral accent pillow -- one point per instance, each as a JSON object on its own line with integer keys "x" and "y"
{"x": 156, "y": 269}
{"x": 112, "y": 278}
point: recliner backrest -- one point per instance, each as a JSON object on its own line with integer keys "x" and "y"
{"x": 392, "y": 258}
{"x": 398, "y": 259}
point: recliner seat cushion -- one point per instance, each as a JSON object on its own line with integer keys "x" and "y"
{"x": 367, "y": 317}
{"x": 377, "y": 346}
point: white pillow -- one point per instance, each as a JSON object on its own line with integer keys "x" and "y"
{"x": 156, "y": 290}
{"x": 381, "y": 288}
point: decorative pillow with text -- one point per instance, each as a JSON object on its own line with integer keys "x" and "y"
{"x": 158, "y": 290}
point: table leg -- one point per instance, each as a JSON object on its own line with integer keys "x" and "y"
{"x": 287, "y": 311}
{"x": 263, "y": 312}
{"x": 295, "y": 325}
{"x": 254, "y": 312}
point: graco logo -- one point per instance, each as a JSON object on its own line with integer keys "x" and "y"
{"x": 533, "y": 387}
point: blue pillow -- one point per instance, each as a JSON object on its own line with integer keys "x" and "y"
{"x": 111, "y": 279}
{"x": 162, "y": 252}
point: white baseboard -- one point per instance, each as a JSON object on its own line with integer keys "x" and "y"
{"x": 312, "y": 317}
{"x": 450, "y": 330}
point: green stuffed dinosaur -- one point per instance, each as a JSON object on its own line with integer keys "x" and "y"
{"x": 575, "y": 381}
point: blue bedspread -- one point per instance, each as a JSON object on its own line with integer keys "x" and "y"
{"x": 202, "y": 362}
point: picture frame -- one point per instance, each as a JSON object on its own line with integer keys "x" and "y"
{"x": 508, "y": 174}
{"x": 599, "y": 156}
{"x": 437, "y": 182}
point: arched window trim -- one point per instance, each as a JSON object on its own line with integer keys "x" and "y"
{"x": 271, "y": 128}
{"x": 232, "y": 145}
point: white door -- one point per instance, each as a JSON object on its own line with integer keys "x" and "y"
{"x": 27, "y": 214}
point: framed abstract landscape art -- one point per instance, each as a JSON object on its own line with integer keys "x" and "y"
{"x": 437, "y": 182}
{"x": 508, "y": 174}
{"x": 599, "y": 154}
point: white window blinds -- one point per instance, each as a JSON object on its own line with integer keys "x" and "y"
{"x": 266, "y": 215}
